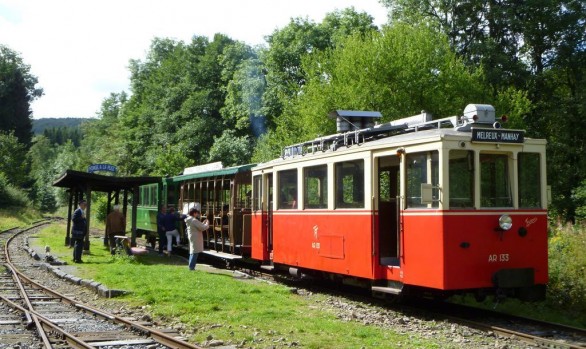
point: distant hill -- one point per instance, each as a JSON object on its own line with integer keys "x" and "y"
{"x": 39, "y": 125}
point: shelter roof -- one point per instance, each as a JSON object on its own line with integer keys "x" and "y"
{"x": 97, "y": 182}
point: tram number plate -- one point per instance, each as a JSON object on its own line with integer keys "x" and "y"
{"x": 503, "y": 257}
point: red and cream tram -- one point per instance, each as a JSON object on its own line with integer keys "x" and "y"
{"x": 450, "y": 205}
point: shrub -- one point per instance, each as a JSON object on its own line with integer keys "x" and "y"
{"x": 567, "y": 267}
{"x": 579, "y": 197}
{"x": 100, "y": 207}
{"x": 10, "y": 195}
{"x": 46, "y": 200}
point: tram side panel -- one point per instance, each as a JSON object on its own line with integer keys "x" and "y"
{"x": 338, "y": 243}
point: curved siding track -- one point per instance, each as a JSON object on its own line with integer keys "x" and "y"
{"x": 32, "y": 316}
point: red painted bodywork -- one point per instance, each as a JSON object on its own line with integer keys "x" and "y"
{"x": 446, "y": 250}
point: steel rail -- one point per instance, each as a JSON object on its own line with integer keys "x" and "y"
{"x": 540, "y": 341}
{"x": 30, "y": 319}
{"x": 461, "y": 314}
{"x": 34, "y": 318}
{"x": 157, "y": 335}
{"x": 71, "y": 339}
{"x": 41, "y": 323}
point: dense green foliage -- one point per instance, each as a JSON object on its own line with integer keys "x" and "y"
{"x": 567, "y": 271}
{"x": 382, "y": 71}
{"x": 17, "y": 91}
{"x": 60, "y": 135}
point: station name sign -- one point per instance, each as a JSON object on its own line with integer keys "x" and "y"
{"x": 497, "y": 136}
{"x": 102, "y": 167}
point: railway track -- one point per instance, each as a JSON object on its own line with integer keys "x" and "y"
{"x": 33, "y": 316}
{"x": 539, "y": 334}
{"x": 536, "y": 333}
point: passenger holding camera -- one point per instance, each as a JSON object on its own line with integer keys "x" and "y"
{"x": 195, "y": 230}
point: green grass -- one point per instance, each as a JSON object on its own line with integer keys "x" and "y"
{"x": 222, "y": 306}
{"x": 11, "y": 218}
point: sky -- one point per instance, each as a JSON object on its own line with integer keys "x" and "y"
{"x": 80, "y": 50}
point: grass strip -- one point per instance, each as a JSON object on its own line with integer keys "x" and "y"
{"x": 10, "y": 218}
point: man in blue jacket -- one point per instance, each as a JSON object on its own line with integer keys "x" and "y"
{"x": 78, "y": 231}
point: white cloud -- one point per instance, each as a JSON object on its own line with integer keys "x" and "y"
{"x": 80, "y": 50}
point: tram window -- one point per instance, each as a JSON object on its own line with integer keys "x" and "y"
{"x": 288, "y": 189}
{"x": 529, "y": 180}
{"x": 316, "y": 186}
{"x": 384, "y": 186}
{"x": 461, "y": 178}
{"x": 257, "y": 193}
{"x": 350, "y": 184}
{"x": 422, "y": 168}
{"x": 495, "y": 189}
{"x": 153, "y": 196}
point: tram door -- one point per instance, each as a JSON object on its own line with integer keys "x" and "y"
{"x": 388, "y": 210}
{"x": 270, "y": 214}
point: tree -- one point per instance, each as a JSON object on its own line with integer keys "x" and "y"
{"x": 399, "y": 72}
{"x": 482, "y": 32}
{"x": 285, "y": 75}
{"x": 13, "y": 162}
{"x": 231, "y": 149}
{"x": 177, "y": 106}
{"x": 40, "y": 156}
{"x": 102, "y": 137}
{"x": 17, "y": 91}
{"x": 243, "y": 105}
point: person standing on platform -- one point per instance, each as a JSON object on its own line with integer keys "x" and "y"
{"x": 195, "y": 230}
{"x": 78, "y": 231}
{"x": 161, "y": 229}
{"x": 115, "y": 225}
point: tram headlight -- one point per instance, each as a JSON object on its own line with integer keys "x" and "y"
{"x": 505, "y": 222}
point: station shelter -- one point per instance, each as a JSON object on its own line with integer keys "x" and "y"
{"x": 80, "y": 185}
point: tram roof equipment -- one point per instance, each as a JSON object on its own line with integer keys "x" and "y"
{"x": 477, "y": 115}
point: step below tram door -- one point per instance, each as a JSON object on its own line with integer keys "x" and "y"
{"x": 388, "y": 210}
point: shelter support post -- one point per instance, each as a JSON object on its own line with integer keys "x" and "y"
{"x": 125, "y": 203}
{"x": 134, "y": 215}
{"x": 108, "y": 210}
{"x": 69, "y": 210}
{"x": 88, "y": 211}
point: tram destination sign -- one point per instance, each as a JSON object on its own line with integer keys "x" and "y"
{"x": 497, "y": 136}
